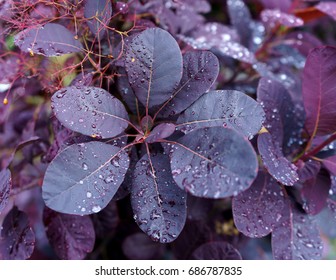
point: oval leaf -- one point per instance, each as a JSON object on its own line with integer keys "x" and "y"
{"x": 200, "y": 71}
{"x": 258, "y": 209}
{"x": 17, "y": 239}
{"x": 161, "y": 131}
{"x": 83, "y": 178}
{"x": 329, "y": 163}
{"x": 318, "y": 89}
{"x": 206, "y": 162}
{"x": 51, "y": 39}
{"x": 227, "y": 108}
{"x": 154, "y": 66}
{"x": 159, "y": 205}
{"x": 216, "y": 251}
{"x": 71, "y": 236}
{"x": 5, "y": 186}
{"x": 295, "y": 236}
{"x": 89, "y": 110}
{"x": 99, "y": 13}
{"x": 271, "y": 18}
{"x": 275, "y": 162}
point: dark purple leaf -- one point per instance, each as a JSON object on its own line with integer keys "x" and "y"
{"x": 216, "y": 251}
{"x": 82, "y": 79}
{"x": 226, "y": 108}
{"x": 139, "y": 246}
{"x": 17, "y": 239}
{"x": 159, "y": 205}
{"x": 83, "y": 178}
{"x": 330, "y": 164}
{"x": 258, "y": 209}
{"x": 308, "y": 170}
{"x": 303, "y": 41}
{"x": 154, "y": 66}
{"x": 5, "y": 187}
{"x": 106, "y": 221}
{"x": 71, "y": 236}
{"x": 198, "y": 208}
{"x": 318, "y": 89}
{"x": 276, "y": 164}
{"x": 328, "y": 8}
{"x": 200, "y": 71}
{"x": 89, "y": 110}
{"x": 271, "y": 18}
{"x": 241, "y": 20}
{"x": 99, "y": 13}
{"x": 161, "y": 131}
{"x": 207, "y": 162}
{"x": 296, "y": 236}
{"x": 51, "y": 39}
{"x": 315, "y": 192}
{"x": 283, "y": 5}
{"x": 326, "y": 219}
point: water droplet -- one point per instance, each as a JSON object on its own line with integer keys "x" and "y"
{"x": 96, "y": 209}
{"x": 84, "y": 166}
{"x": 88, "y": 194}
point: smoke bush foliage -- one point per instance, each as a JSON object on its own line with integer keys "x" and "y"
{"x": 152, "y": 129}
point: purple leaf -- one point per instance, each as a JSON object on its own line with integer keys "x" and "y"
{"x": 5, "y": 187}
{"x": 17, "y": 240}
{"x": 296, "y": 236}
{"x": 272, "y": 18}
{"x": 51, "y": 39}
{"x": 326, "y": 219}
{"x": 328, "y": 8}
{"x": 330, "y": 164}
{"x": 258, "y": 209}
{"x": 206, "y": 162}
{"x": 159, "y": 205}
{"x": 216, "y": 250}
{"x": 89, "y": 110}
{"x": 315, "y": 192}
{"x": 308, "y": 170}
{"x": 82, "y": 79}
{"x": 139, "y": 246}
{"x": 99, "y": 13}
{"x": 83, "y": 178}
{"x": 303, "y": 41}
{"x": 200, "y": 71}
{"x": 161, "y": 131}
{"x": 226, "y": 108}
{"x": 71, "y": 236}
{"x": 276, "y": 164}
{"x": 283, "y": 5}
{"x": 318, "y": 89}
{"x": 154, "y": 66}
{"x": 241, "y": 20}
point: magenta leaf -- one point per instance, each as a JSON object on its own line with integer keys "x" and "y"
{"x": 258, "y": 209}
{"x": 159, "y": 205}
{"x": 271, "y": 18}
{"x": 161, "y": 131}
{"x": 83, "y": 178}
{"x": 89, "y": 110}
{"x": 315, "y": 192}
{"x": 51, "y": 39}
{"x": 71, "y": 236}
{"x": 296, "y": 236}
{"x": 217, "y": 250}
{"x": 200, "y": 71}
{"x": 99, "y": 13}
{"x": 225, "y": 108}
{"x": 328, "y": 8}
{"x": 318, "y": 89}
{"x": 276, "y": 164}
{"x": 17, "y": 240}
{"x": 5, "y": 187}
{"x": 205, "y": 162}
{"x": 154, "y": 66}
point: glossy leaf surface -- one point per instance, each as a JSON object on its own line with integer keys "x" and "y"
{"x": 206, "y": 162}
{"x": 154, "y": 66}
{"x": 200, "y": 70}
{"x": 159, "y": 205}
{"x": 272, "y": 18}
{"x": 216, "y": 251}
{"x": 17, "y": 240}
{"x": 83, "y": 178}
{"x": 51, "y": 39}
{"x": 89, "y": 110}
{"x": 161, "y": 131}
{"x": 71, "y": 236}
{"x": 318, "y": 89}
{"x": 258, "y": 209}
{"x": 5, "y": 186}
{"x": 328, "y": 8}
{"x": 225, "y": 108}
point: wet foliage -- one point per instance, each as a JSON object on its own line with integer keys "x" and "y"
{"x": 167, "y": 129}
